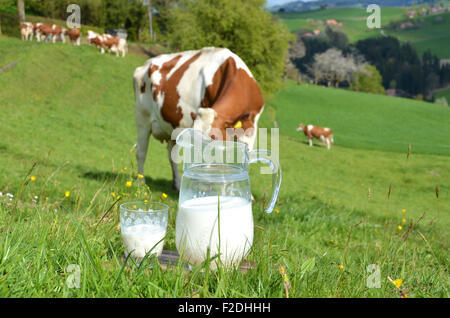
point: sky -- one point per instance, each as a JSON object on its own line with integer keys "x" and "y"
{"x": 277, "y": 2}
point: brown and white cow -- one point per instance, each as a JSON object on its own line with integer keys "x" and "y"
{"x": 53, "y": 32}
{"x": 26, "y": 30}
{"x": 74, "y": 36}
{"x": 95, "y": 39}
{"x": 208, "y": 89}
{"x": 322, "y": 133}
{"x": 114, "y": 44}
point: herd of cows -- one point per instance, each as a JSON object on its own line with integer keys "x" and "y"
{"x": 46, "y": 32}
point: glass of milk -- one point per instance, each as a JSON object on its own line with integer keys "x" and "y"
{"x": 143, "y": 226}
{"x": 214, "y": 209}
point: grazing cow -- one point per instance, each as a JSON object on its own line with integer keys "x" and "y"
{"x": 46, "y": 31}
{"x": 74, "y": 36}
{"x": 96, "y": 39}
{"x": 26, "y": 30}
{"x": 207, "y": 89}
{"x": 114, "y": 44}
{"x": 324, "y": 134}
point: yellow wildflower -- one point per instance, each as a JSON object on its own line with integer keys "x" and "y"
{"x": 398, "y": 282}
{"x": 404, "y": 220}
{"x": 403, "y": 210}
{"x": 282, "y": 270}
{"x": 67, "y": 193}
{"x": 276, "y": 211}
{"x": 33, "y": 178}
{"x": 128, "y": 184}
{"x": 113, "y": 194}
{"x": 145, "y": 201}
{"x": 140, "y": 176}
{"x": 164, "y": 196}
{"x": 341, "y": 267}
{"x": 125, "y": 169}
{"x": 399, "y": 227}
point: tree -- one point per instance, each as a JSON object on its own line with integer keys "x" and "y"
{"x": 368, "y": 80}
{"x": 21, "y": 10}
{"x": 334, "y": 68}
{"x": 243, "y": 26}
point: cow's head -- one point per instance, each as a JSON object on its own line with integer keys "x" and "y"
{"x": 215, "y": 125}
{"x": 301, "y": 127}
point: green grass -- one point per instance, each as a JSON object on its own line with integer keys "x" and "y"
{"x": 365, "y": 120}
{"x": 354, "y": 20}
{"x": 70, "y": 110}
{"x": 431, "y": 35}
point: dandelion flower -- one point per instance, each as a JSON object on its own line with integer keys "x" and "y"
{"x": 145, "y": 201}
{"x": 398, "y": 282}
{"x": 282, "y": 270}
{"x": 33, "y": 178}
{"x": 67, "y": 193}
{"x": 404, "y": 211}
{"x": 140, "y": 176}
{"x": 128, "y": 184}
{"x": 399, "y": 227}
{"x": 404, "y": 220}
{"x": 164, "y": 196}
{"x": 341, "y": 267}
{"x": 113, "y": 194}
{"x": 125, "y": 169}
{"x": 276, "y": 211}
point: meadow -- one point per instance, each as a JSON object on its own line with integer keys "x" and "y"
{"x": 431, "y": 34}
{"x": 67, "y": 138}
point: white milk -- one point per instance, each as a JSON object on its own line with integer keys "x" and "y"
{"x": 140, "y": 239}
{"x": 197, "y": 229}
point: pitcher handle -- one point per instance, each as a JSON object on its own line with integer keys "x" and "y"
{"x": 266, "y": 156}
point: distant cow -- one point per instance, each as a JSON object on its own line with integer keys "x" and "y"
{"x": 324, "y": 134}
{"x": 95, "y": 39}
{"x": 203, "y": 89}
{"x": 54, "y": 32}
{"x": 115, "y": 44}
{"x": 106, "y": 41}
{"x": 74, "y": 36}
{"x": 26, "y": 30}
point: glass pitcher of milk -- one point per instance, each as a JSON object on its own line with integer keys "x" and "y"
{"x": 215, "y": 190}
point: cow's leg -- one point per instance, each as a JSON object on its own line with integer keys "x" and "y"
{"x": 310, "y": 142}
{"x": 175, "y": 172}
{"x": 328, "y": 142}
{"x": 144, "y": 131}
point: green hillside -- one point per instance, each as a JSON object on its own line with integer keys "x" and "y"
{"x": 354, "y": 20}
{"x": 70, "y": 110}
{"x": 365, "y": 120}
{"x": 432, "y": 32}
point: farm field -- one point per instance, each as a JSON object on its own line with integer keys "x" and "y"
{"x": 431, "y": 35}
{"x": 76, "y": 121}
{"x": 353, "y": 19}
